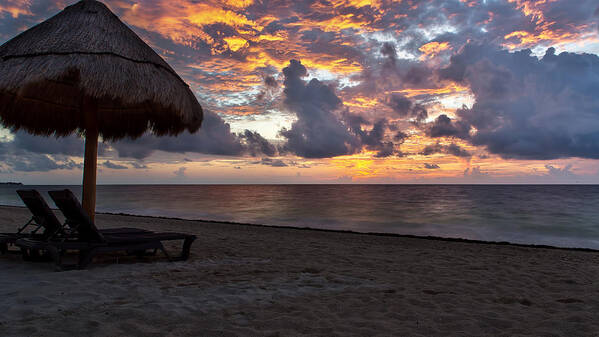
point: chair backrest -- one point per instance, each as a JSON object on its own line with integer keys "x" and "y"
{"x": 42, "y": 214}
{"x": 76, "y": 216}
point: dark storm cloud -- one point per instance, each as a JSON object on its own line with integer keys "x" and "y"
{"x": 28, "y": 153}
{"x": 214, "y": 137}
{"x": 270, "y": 87}
{"x": 38, "y": 163}
{"x": 374, "y": 139}
{"x": 403, "y": 72}
{"x": 431, "y": 166}
{"x": 139, "y": 165}
{"x": 271, "y": 162}
{"x": 455, "y": 150}
{"x": 322, "y": 129}
{"x": 405, "y": 108}
{"x": 400, "y": 137}
{"x": 257, "y": 145}
{"x": 526, "y": 107}
{"x": 71, "y": 145}
{"x": 114, "y": 166}
{"x": 443, "y": 126}
{"x": 400, "y": 104}
{"x": 318, "y": 131}
{"x": 15, "y": 159}
{"x": 451, "y": 149}
{"x": 270, "y": 81}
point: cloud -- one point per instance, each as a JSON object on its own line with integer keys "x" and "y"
{"x": 526, "y": 108}
{"x": 271, "y": 82}
{"x": 256, "y": 144}
{"x": 451, "y": 149}
{"x": 139, "y": 165}
{"x": 24, "y": 154}
{"x": 35, "y": 162}
{"x": 180, "y": 172}
{"x": 271, "y": 162}
{"x": 373, "y": 139}
{"x": 323, "y": 129}
{"x": 404, "y": 107}
{"x": 560, "y": 172}
{"x": 442, "y": 126}
{"x": 318, "y": 131}
{"x": 215, "y": 137}
{"x": 431, "y": 166}
{"x": 72, "y": 145}
{"x": 114, "y": 166}
{"x": 475, "y": 172}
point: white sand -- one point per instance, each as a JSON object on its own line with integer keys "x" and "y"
{"x": 247, "y": 280}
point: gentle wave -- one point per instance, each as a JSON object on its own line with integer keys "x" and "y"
{"x": 559, "y": 215}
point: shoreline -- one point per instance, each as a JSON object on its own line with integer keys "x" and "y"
{"x": 407, "y": 236}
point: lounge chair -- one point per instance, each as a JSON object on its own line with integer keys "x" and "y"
{"x": 44, "y": 225}
{"x": 89, "y": 242}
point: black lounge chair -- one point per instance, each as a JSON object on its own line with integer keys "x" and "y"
{"x": 44, "y": 225}
{"x": 89, "y": 241}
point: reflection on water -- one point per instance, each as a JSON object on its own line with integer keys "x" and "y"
{"x": 541, "y": 214}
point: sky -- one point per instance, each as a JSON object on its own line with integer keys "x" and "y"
{"x": 350, "y": 91}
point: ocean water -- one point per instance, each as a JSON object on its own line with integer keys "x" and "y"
{"x": 559, "y": 215}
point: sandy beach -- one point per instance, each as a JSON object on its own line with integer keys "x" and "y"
{"x": 254, "y": 281}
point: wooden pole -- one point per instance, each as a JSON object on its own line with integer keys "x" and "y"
{"x": 90, "y": 161}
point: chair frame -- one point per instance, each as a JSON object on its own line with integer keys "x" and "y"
{"x": 90, "y": 241}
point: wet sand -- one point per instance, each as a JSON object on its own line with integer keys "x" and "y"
{"x": 255, "y": 281}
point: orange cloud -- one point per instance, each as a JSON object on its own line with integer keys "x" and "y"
{"x": 546, "y": 31}
{"x": 448, "y": 89}
{"x": 235, "y": 43}
{"x": 357, "y": 3}
{"x": 470, "y": 3}
{"x": 16, "y": 8}
{"x": 362, "y": 102}
{"x": 543, "y": 34}
{"x": 184, "y": 22}
{"x": 532, "y": 8}
{"x": 433, "y": 49}
{"x": 239, "y": 3}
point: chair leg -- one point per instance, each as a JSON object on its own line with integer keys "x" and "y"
{"x": 168, "y": 256}
{"x": 186, "y": 247}
{"x": 85, "y": 258}
{"x": 56, "y": 257}
{"x": 25, "y": 254}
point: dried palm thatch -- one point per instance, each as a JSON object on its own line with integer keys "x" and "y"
{"x": 84, "y": 70}
{"x": 86, "y": 53}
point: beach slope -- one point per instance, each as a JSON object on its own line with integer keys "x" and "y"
{"x": 252, "y": 280}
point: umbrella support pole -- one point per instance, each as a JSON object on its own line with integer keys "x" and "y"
{"x": 91, "y": 157}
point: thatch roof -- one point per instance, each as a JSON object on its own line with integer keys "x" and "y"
{"x": 85, "y": 50}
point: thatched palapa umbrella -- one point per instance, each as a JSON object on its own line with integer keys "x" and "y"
{"x": 85, "y": 71}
